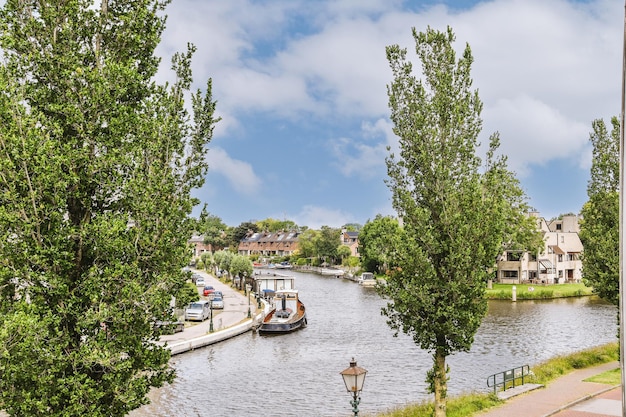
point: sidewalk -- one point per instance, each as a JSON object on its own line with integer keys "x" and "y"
{"x": 567, "y": 396}
{"x": 232, "y": 321}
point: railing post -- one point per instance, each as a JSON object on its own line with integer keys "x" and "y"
{"x": 510, "y": 375}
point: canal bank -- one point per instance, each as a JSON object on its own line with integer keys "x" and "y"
{"x": 344, "y": 321}
{"x": 240, "y": 315}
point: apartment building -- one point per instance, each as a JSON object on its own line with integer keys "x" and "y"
{"x": 558, "y": 262}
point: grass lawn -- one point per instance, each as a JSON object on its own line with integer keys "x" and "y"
{"x": 613, "y": 377}
{"x": 534, "y": 291}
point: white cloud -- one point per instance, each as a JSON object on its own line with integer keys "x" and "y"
{"x": 532, "y": 132}
{"x": 554, "y": 56}
{"x": 315, "y": 217}
{"x": 360, "y": 158}
{"x": 238, "y": 173}
{"x": 544, "y": 69}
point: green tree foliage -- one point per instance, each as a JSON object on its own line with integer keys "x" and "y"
{"x": 273, "y": 225}
{"x": 456, "y": 214}
{"x": 213, "y": 229}
{"x": 97, "y": 163}
{"x": 223, "y": 259}
{"x": 352, "y": 227}
{"x": 207, "y": 260}
{"x": 326, "y": 244}
{"x": 242, "y": 267}
{"x": 374, "y": 246}
{"x": 187, "y": 294}
{"x": 343, "y": 252}
{"x": 236, "y": 234}
{"x": 599, "y": 228}
{"x": 306, "y": 243}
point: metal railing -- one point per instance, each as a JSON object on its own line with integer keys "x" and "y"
{"x": 509, "y": 378}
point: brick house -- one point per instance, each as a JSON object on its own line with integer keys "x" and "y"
{"x": 351, "y": 239}
{"x": 269, "y": 243}
{"x": 198, "y": 246}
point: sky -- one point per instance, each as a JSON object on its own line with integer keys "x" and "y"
{"x": 301, "y": 89}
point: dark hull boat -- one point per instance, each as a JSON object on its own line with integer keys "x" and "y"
{"x": 288, "y": 314}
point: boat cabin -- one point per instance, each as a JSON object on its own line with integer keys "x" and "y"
{"x": 268, "y": 284}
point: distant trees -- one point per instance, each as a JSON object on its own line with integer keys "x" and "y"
{"x": 323, "y": 245}
{"x": 273, "y": 225}
{"x": 213, "y": 229}
{"x": 241, "y": 266}
{"x": 236, "y": 234}
{"x": 374, "y": 246}
{"x": 326, "y": 244}
{"x": 456, "y": 216}
{"x": 223, "y": 259}
{"x": 599, "y": 227}
{"x": 320, "y": 245}
{"x": 236, "y": 265}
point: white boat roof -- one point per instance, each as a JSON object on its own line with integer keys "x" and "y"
{"x": 287, "y": 291}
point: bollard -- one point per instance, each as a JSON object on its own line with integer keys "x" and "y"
{"x": 514, "y": 291}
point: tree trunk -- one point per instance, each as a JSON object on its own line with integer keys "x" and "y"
{"x": 440, "y": 383}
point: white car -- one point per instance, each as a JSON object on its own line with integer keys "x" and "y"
{"x": 198, "y": 311}
{"x": 200, "y": 282}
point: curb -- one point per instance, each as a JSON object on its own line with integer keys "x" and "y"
{"x": 580, "y": 400}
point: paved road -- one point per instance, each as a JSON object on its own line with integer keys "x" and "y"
{"x": 235, "y": 311}
{"x": 234, "y": 314}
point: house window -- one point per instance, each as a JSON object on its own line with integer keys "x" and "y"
{"x": 572, "y": 257}
{"x": 560, "y": 257}
{"x": 559, "y": 226}
{"x": 509, "y": 274}
{"x": 513, "y": 256}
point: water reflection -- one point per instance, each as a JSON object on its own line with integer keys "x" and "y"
{"x": 298, "y": 374}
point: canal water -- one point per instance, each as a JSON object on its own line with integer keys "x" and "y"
{"x": 298, "y": 374}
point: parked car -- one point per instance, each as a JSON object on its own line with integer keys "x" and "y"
{"x": 200, "y": 282}
{"x": 208, "y": 289}
{"x": 169, "y": 327}
{"x": 216, "y": 294}
{"x": 196, "y": 277}
{"x": 198, "y": 311}
{"x": 218, "y": 302}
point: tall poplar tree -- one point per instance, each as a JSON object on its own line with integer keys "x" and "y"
{"x": 97, "y": 163}
{"x": 599, "y": 228}
{"x": 456, "y": 213}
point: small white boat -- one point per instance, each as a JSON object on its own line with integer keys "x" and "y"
{"x": 367, "y": 279}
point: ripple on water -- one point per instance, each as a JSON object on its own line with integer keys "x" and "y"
{"x": 298, "y": 374}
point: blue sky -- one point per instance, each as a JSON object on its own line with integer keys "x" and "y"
{"x": 301, "y": 89}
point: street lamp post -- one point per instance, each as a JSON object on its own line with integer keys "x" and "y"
{"x": 249, "y": 287}
{"x": 211, "y": 315}
{"x": 354, "y": 377}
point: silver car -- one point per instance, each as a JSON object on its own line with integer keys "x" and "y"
{"x": 198, "y": 311}
{"x": 218, "y": 302}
